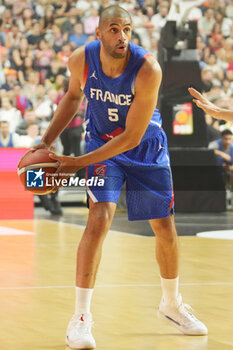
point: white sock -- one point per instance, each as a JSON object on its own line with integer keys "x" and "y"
{"x": 83, "y": 300}
{"x": 170, "y": 287}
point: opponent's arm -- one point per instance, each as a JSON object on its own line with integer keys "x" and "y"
{"x": 209, "y": 108}
{"x": 139, "y": 115}
{"x": 71, "y": 101}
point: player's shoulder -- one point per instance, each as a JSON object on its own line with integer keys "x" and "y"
{"x": 77, "y": 59}
{"x": 150, "y": 70}
{"x": 150, "y": 64}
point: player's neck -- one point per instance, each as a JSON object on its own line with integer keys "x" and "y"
{"x": 113, "y": 67}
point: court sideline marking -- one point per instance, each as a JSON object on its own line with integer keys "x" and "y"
{"x": 121, "y": 285}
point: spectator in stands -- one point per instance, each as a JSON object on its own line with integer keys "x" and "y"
{"x": 159, "y": 20}
{"x": 21, "y": 53}
{"x": 64, "y": 55}
{"x": 211, "y": 61}
{"x": 29, "y": 118}
{"x": 206, "y": 23}
{"x": 78, "y": 38}
{"x": 84, "y": 7}
{"x": 21, "y": 101}
{"x": 11, "y": 139}
{"x": 53, "y": 97}
{"x": 11, "y": 80}
{"x": 67, "y": 26}
{"x": 128, "y": 5}
{"x": 223, "y": 148}
{"x": 30, "y": 85}
{"x": 91, "y": 22}
{"x": 7, "y": 20}
{"x": 25, "y": 70}
{"x": 48, "y": 20}
{"x": 36, "y": 35}
{"x": 56, "y": 68}
{"x": 213, "y": 129}
{"x": 13, "y": 37}
{"x": 139, "y": 24}
{"x": 32, "y": 135}
{"x": 56, "y": 38}
{"x": 207, "y": 77}
{"x": 154, "y": 47}
{"x": 216, "y": 37}
{"x": 43, "y": 57}
{"x": 229, "y": 9}
{"x": 9, "y": 113}
{"x": 26, "y": 21}
{"x": 227, "y": 87}
{"x": 67, "y": 9}
{"x": 5, "y": 61}
{"x": 224, "y": 22}
{"x": 43, "y": 105}
{"x": 59, "y": 86}
{"x": 104, "y": 4}
{"x": 18, "y": 7}
{"x": 7, "y": 138}
{"x": 225, "y": 54}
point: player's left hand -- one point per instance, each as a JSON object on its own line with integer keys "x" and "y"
{"x": 66, "y": 167}
{"x": 207, "y": 106}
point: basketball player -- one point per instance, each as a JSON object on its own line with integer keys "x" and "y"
{"x": 209, "y": 108}
{"x": 125, "y": 142}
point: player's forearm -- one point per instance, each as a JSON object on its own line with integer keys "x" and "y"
{"x": 119, "y": 144}
{"x": 66, "y": 110}
{"x": 225, "y": 114}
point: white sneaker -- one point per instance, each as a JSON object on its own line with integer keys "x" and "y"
{"x": 181, "y": 318}
{"x": 78, "y": 334}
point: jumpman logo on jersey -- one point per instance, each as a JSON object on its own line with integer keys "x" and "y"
{"x": 160, "y": 147}
{"x": 93, "y": 75}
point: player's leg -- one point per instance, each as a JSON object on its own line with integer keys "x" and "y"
{"x": 88, "y": 258}
{"x": 171, "y": 306}
{"x": 166, "y": 246}
{"x": 90, "y": 247}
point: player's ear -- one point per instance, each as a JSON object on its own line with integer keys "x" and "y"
{"x": 98, "y": 33}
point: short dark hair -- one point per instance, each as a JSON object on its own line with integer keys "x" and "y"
{"x": 113, "y": 11}
{"x": 226, "y": 132}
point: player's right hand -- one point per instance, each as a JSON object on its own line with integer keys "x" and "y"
{"x": 41, "y": 145}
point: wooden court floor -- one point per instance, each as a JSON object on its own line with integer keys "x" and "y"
{"x": 37, "y": 269}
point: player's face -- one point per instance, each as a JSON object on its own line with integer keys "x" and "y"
{"x": 115, "y": 36}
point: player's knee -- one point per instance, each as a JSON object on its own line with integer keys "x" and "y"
{"x": 164, "y": 228}
{"x": 100, "y": 218}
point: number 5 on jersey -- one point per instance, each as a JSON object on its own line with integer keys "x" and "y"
{"x": 113, "y": 114}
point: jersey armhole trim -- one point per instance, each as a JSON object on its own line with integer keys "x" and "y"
{"x": 148, "y": 54}
{"x": 85, "y": 73}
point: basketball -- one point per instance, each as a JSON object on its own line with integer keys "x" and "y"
{"x": 35, "y": 169}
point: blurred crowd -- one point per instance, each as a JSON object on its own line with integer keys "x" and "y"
{"x": 38, "y": 37}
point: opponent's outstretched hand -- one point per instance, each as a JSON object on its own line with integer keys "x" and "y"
{"x": 207, "y": 106}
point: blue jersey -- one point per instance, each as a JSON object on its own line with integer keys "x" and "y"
{"x": 109, "y": 99}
